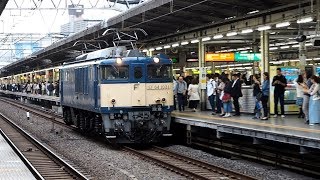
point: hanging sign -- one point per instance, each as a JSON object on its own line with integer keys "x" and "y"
{"x": 247, "y": 56}
{"x": 219, "y": 57}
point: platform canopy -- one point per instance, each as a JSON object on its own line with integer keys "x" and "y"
{"x": 158, "y": 18}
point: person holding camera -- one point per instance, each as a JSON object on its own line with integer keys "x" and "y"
{"x": 279, "y": 82}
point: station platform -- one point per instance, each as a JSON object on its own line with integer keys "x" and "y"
{"x": 11, "y": 166}
{"x": 32, "y": 96}
{"x": 289, "y": 130}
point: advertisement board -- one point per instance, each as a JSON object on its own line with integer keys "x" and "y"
{"x": 219, "y": 57}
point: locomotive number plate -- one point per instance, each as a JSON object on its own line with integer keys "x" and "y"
{"x": 158, "y": 87}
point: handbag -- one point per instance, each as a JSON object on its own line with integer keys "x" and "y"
{"x": 316, "y": 97}
{"x": 226, "y": 97}
{"x": 259, "y": 96}
{"x": 221, "y": 95}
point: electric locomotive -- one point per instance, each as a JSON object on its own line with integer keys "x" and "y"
{"x": 123, "y": 95}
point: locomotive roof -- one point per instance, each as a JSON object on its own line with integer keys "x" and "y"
{"x": 125, "y": 60}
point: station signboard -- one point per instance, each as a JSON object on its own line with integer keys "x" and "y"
{"x": 247, "y": 57}
{"x": 219, "y": 57}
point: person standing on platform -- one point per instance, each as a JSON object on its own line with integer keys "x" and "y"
{"x": 314, "y": 104}
{"x": 180, "y": 91}
{"x": 265, "y": 95}
{"x": 220, "y": 86}
{"x": 43, "y": 88}
{"x": 236, "y": 93}
{"x": 211, "y": 92}
{"x": 299, "y": 88}
{"x": 257, "y": 94}
{"x": 226, "y": 97}
{"x": 174, "y": 95}
{"x": 194, "y": 94}
{"x": 28, "y": 88}
{"x": 279, "y": 82}
{"x": 306, "y": 95}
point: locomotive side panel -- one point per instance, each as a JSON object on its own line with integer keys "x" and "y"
{"x": 78, "y": 87}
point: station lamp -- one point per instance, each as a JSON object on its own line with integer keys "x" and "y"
{"x": 185, "y": 43}
{"x": 206, "y": 39}
{"x": 158, "y": 48}
{"x": 175, "y": 45}
{"x": 273, "y": 48}
{"x": 219, "y": 36}
{"x": 195, "y": 41}
{"x": 305, "y": 20}
{"x": 167, "y": 47}
{"x": 151, "y": 49}
{"x": 264, "y": 28}
{"x": 284, "y": 47}
{"x": 232, "y": 34}
{"x": 246, "y": 31}
{"x": 145, "y": 50}
{"x": 283, "y": 24}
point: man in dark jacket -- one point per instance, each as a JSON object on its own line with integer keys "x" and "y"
{"x": 236, "y": 93}
{"x": 279, "y": 82}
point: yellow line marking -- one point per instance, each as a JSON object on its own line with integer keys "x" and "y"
{"x": 241, "y": 121}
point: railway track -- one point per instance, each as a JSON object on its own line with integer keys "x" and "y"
{"x": 54, "y": 118}
{"x": 42, "y": 162}
{"x": 188, "y": 167}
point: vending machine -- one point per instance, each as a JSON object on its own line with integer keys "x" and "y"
{"x": 290, "y": 95}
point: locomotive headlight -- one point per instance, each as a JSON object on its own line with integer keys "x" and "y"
{"x": 113, "y": 101}
{"x": 156, "y": 59}
{"x": 163, "y": 100}
{"x": 158, "y": 100}
{"x": 119, "y": 60}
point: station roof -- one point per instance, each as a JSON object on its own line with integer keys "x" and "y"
{"x": 158, "y": 19}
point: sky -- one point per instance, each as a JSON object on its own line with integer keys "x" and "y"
{"x": 45, "y": 18}
{"x": 40, "y": 17}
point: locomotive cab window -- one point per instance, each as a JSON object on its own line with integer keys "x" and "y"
{"x": 156, "y": 71}
{"x": 110, "y": 72}
{"x": 138, "y": 72}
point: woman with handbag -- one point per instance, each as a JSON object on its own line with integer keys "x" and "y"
{"x": 314, "y": 103}
{"x": 257, "y": 94}
{"x": 194, "y": 95}
{"x": 226, "y": 98}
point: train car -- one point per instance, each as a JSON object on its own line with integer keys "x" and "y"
{"x": 123, "y": 95}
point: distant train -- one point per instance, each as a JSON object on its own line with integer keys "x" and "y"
{"x": 123, "y": 95}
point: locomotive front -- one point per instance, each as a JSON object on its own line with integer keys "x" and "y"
{"x": 136, "y": 98}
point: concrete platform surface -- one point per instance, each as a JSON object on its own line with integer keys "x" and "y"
{"x": 287, "y": 130}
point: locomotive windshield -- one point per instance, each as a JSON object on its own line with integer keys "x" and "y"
{"x": 158, "y": 71}
{"x": 111, "y": 72}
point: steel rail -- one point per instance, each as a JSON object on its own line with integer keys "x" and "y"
{"x": 41, "y": 157}
{"x": 185, "y": 166}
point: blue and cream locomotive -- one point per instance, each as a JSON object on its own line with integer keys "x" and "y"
{"x": 121, "y": 94}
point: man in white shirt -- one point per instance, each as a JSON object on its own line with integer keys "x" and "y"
{"x": 211, "y": 92}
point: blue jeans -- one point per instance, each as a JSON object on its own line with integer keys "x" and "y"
{"x": 180, "y": 101}
{"x": 212, "y": 102}
{"x": 227, "y": 106}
